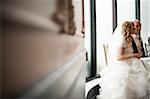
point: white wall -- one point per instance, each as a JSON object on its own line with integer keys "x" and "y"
{"x": 87, "y": 20}
{"x": 145, "y": 14}
{"x": 144, "y": 19}
{"x": 148, "y": 18}
{"x": 104, "y": 29}
{"x": 125, "y": 10}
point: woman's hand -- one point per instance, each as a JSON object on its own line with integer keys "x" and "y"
{"x": 137, "y": 55}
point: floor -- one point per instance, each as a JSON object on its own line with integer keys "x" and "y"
{"x": 92, "y": 83}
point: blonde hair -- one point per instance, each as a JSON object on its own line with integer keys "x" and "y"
{"x": 127, "y": 29}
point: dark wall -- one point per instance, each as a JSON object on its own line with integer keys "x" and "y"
{"x": 37, "y": 60}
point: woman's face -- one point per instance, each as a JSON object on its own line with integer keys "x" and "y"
{"x": 132, "y": 29}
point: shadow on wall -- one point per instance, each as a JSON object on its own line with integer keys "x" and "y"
{"x": 64, "y": 16}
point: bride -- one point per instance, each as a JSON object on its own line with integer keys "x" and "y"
{"x": 125, "y": 77}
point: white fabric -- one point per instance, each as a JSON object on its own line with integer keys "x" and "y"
{"x": 126, "y": 79}
{"x": 116, "y": 41}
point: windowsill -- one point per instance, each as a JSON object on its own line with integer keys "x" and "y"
{"x": 145, "y": 58}
{"x": 146, "y": 63}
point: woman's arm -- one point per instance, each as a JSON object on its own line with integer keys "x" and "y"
{"x": 139, "y": 46}
{"x": 123, "y": 56}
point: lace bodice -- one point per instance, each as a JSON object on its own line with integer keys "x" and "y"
{"x": 128, "y": 49}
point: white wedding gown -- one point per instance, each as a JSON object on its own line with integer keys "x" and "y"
{"x": 126, "y": 79}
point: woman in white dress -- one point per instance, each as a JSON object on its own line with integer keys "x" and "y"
{"x": 125, "y": 77}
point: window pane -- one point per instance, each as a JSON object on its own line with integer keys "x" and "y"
{"x": 125, "y": 10}
{"x": 103, "y": 28}
{"x": 145, "y": 20}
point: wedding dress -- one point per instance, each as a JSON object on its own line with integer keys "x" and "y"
{"x": 127, "y": 79}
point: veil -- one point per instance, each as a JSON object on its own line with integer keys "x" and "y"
{"x": 115, "y": 43}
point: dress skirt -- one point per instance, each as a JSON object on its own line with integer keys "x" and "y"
{"x": 124, "y": 80}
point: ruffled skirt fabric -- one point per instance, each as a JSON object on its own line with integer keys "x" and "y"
{"x": 124, "y": 80}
